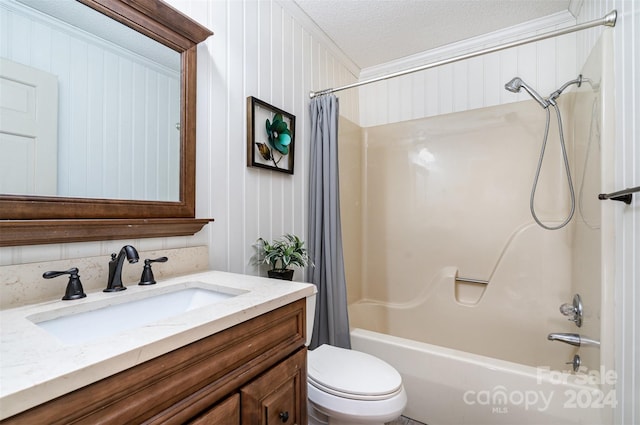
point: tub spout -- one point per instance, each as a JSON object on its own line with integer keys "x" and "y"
{"x": 573, "y": 339}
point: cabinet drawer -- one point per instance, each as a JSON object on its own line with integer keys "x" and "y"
{"x": 279, "y": 396}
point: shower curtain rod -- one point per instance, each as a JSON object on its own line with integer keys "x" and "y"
{"x": 608, "y": 20}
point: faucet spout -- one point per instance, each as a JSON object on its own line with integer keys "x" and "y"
{"x": 114, "y": 282}
{"x": 576, "y": 340}
{"x": 571, "y": 339}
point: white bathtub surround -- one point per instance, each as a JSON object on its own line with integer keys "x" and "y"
{"x": 37, "y": 367}
{"x": 593, "y": 244}
{"x": 454, "y": 190}
{"x": 505, "y": 324}
{"x": 23, "y": 284}
{"x": 351, "y": 168}
{"x": 448, "y": 197}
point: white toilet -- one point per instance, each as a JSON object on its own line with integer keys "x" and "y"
{"x": 348, "y": 387}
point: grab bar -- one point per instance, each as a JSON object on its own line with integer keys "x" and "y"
{"x": 621, "y": 195}
{"x": 466, "y": 279}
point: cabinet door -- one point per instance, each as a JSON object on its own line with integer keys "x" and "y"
{"x": 279, "y": 396}
{"x": 225, "y": 413}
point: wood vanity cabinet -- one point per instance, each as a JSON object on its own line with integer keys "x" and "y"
{"x": 254, "y": 373}
{"x": 274, "y": 398}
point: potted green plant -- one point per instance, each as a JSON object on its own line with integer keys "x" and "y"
{"x": 282, "y": 253}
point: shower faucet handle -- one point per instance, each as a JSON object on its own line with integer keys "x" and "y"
{"x": 567, "y": 309}
{"x": 574, "y": 310}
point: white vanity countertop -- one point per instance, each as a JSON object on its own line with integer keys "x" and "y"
{"x": 36, "y": 367}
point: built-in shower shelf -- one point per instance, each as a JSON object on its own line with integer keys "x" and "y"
{"x": 469, "y": 291}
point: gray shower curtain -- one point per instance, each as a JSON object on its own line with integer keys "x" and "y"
{"x": 331, "y": 324}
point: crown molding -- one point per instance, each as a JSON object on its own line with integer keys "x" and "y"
{"x": 313, "y": 28}
{"x": 548, "y": 23}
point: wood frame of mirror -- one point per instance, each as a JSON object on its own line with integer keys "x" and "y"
{"x": 30, "y": 220}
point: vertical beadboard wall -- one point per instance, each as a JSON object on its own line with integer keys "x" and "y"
{"x": 263, "y": 48}
{"x": 108, "y": 97}
{"x": 473, "y": 83}
{"x": 260, "y": 49}
{"x": 626, "y": 36}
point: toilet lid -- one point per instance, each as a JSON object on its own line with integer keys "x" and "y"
{"x": 352, "y": 374}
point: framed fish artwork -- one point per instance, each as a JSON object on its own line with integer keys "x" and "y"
{"x": 270, "y": 136}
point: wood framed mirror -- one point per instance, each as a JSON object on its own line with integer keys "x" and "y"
{"x": 36, "y": 219}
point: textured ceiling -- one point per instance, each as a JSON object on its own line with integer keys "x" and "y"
{"x": 373, "y": 32}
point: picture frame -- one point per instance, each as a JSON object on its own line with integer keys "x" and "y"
{"x": 270, "y": 137}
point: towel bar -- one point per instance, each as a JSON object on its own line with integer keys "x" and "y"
{"x": 621, "y": 195}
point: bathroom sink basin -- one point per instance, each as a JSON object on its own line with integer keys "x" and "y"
{"x": 107, "y": 320}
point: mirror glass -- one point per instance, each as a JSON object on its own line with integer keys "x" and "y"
{"x": 89, "y": 108}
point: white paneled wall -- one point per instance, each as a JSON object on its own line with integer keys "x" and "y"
{"x": 260, "y": 48}
{"x": 626, "y": 174}
{"x": 108, "y": 98}
{"x": 473, "y": 83}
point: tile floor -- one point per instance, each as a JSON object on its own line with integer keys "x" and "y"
{"x": 404, "y": 421}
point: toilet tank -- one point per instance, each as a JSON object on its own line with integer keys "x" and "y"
{"x": 311, "y": 315}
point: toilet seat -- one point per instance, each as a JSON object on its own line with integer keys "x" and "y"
{"x": 352, "y": 374}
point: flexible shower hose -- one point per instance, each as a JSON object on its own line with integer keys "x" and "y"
{"x": 566, "y": 167}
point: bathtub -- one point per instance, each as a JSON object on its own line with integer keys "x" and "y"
{"x": 479, "y": 354}
{"x": 448, "y": 386}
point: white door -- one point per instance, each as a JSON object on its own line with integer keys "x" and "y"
{"x": 28, "y": 130}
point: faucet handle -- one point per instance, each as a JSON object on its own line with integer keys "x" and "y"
{"x": 147, "y": 274}
{"x": 574, "y": 310}
{"x": 567, "y": 309}
{"x": 74, "y": 289}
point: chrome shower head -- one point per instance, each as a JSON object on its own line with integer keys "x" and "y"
{"x": 516, "y": 84}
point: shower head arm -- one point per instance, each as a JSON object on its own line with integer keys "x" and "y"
{"x": 553, "y": 96}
